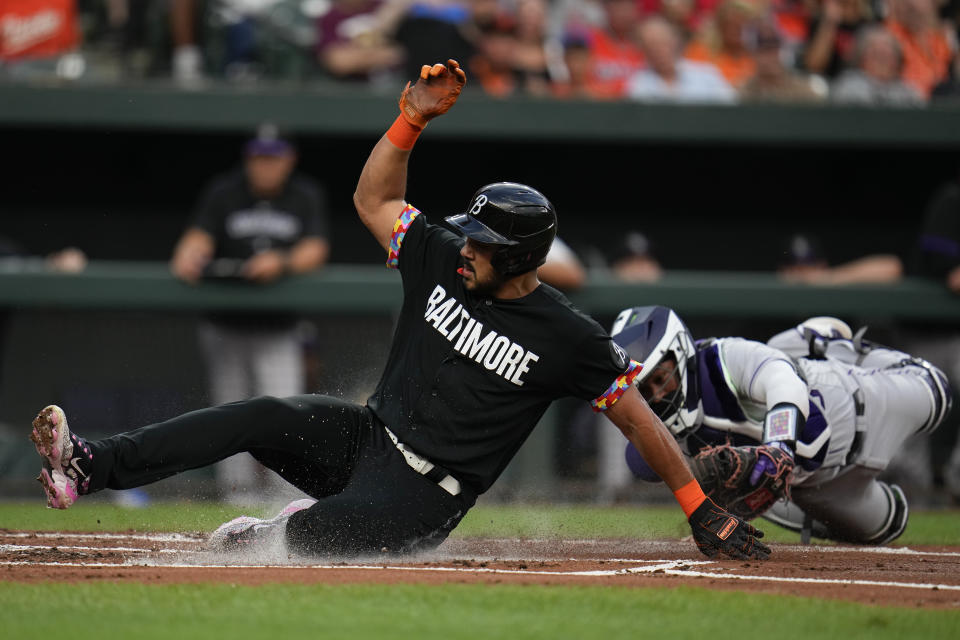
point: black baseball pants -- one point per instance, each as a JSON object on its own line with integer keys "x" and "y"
{"x": 369, "y": 499}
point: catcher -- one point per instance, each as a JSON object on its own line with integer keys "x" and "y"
{"x": 797, "y": 429}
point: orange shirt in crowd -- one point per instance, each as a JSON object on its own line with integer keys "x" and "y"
{"x": 926, "y": 58}
{"x": 736, "y": 69}
{"x": 612, "y": 62}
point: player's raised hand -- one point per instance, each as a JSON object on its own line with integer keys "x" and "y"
{"x": 435, "y": 91}
{"x": 715, "y": 531}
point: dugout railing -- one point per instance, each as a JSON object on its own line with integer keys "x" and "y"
{"x": 119, "y": 336}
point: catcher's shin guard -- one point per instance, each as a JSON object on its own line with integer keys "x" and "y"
{"x": 941, "y": 392}
{"x": 897, "y": 520}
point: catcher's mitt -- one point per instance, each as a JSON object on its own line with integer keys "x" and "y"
{"x": 724, "y": 472}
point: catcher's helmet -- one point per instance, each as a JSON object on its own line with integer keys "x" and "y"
{"x": 514, "y": 216}
{"x": 651, "y": 334}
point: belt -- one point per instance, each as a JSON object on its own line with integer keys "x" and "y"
{"x": 424, "y": 467}
{"x": 860, "y": 427}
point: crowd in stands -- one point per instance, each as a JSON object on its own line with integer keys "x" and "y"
{"x": 872, "y": 52}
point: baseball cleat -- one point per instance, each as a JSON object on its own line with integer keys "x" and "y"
{"x": 62, "y": 477}
{"x": 245, "y": 531}
{"x": 61, "y": 490}
{"x": 51, "y": 435}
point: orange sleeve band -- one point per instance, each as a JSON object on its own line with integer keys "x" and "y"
{"x": 403, "y": 134}
{"x": 690, "y": 496}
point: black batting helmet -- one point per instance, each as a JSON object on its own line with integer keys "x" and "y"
{"x": 518, "y": 218}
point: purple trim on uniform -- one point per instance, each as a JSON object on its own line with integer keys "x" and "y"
{"x": 618, "y": 388}
{"x": 718, "y": 399}
{"x": 404, "y": 220}
{"x": 939, "y": 244}
{"x": 815, "y": 425}
{"x": 816, "y": 394}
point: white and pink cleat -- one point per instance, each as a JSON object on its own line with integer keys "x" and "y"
{"x": 62, "y": 475}
{"x": 245, "y": 531}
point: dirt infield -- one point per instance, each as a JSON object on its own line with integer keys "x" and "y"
{"x": 926, "y": 578}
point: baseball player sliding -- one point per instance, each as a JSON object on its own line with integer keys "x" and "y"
{"x": 814, "y": 415}
{"x": 480, "y": 351}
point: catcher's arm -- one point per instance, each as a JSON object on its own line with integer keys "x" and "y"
{"x": 714, "y": 530}
{"x": 382, "y": 185}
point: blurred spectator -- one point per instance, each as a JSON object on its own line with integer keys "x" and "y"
{"x": 803, "y": 260}
{"x": 634, "y": 261}
{"x": 832, "y": 34}
{"x": 792, "y": 21}
{"x": 256, "y": 225}
{"x": 723, "y": 41}
{"x": 252, "y": 39}
{"x": 563, "y": 268}
{"x": 440, "y": 29}
{"x": 67, "y": 260}
{"x": 875, "y": 76}
{"x": 938, "y": 247}
{"x": 354, "y": 39}
{"x": 187, "y": 57}
{"x": 615, "y": 52}
{"x": 938, "y": 257}
{"x": 930, "y": 460}
{"x": 773, "y": 81}
{"x": 493, "y": 65}
{"x": 577, "y": 62}
{"x": 925, "y": 42}
{"x": 668, "y": 77}
{"x": 949, "y": 89}
{"x": 531, "y": 55}
{"x": 684, "y": 15}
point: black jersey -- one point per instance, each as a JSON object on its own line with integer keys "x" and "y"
{"x": 469, "y": 376}
{"x": 243, "y": 224}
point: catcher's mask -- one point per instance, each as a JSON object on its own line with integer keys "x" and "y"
{"x": 517, "y": 218}
{"x": 653, "y": 335}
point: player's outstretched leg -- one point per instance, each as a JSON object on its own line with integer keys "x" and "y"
{"x": 247, "y": 532}
{"x": 66, "y": 458}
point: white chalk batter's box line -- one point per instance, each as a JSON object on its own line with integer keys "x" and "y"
{"x": 71, "y": 547}
{"x": 179, "y": 537}
{"x": 149, "y": 537}
{"x": 662, "y": 567}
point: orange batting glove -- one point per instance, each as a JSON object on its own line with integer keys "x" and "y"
{"x": 437, "y": 88}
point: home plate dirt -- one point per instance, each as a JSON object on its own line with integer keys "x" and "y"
{"x": 915, "y": 577}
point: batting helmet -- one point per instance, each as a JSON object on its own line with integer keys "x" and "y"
{"x": 650, "y": 335}
{"x": 517, "y": 218}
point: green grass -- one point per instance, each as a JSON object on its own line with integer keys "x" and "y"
{"x": 184, "y": 612}
{"x": 653, "y": 522}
